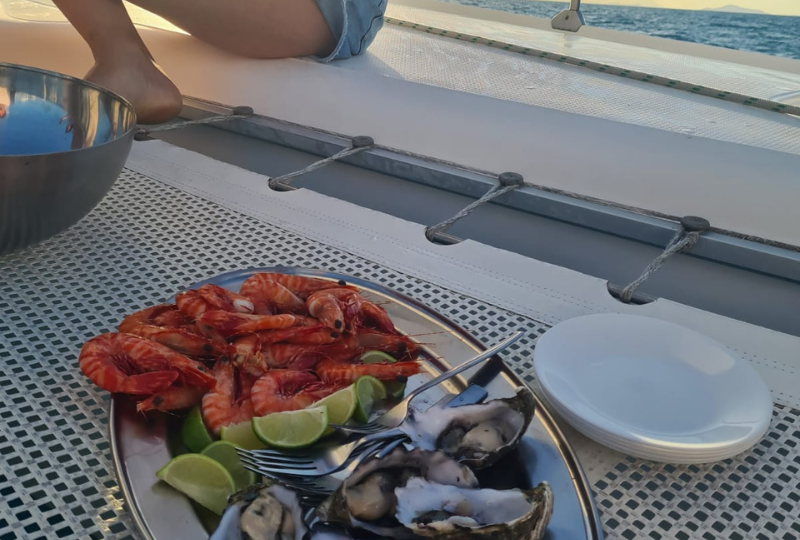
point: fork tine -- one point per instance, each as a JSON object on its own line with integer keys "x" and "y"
{"x": 272, "y": 463}
{"x": 266, "y": 471}
{"x": 280, "y": 459}
{"x": 278, "y": 464}
{"x": 275, "y": 455}
{"x": 269, "y": 471}
{"x": 306, "y": 488}
{"x": 365, "y": 429}
{"x": 368, "y": 425}
{"x": 271, "y": 453}
{"x": 316, "y": 492}
{"x": 280, "y": 467}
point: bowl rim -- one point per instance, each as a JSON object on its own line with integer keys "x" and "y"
{"x": 83, "y": 82}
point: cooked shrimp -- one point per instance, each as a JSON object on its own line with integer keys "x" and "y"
{"x": 223, "y": 407}
{"x": 335, "y": 372}
{"x": 314, "y": 335}
{"x": 132, "y": 365}
{"x": 345, "y": 309}
{"x": 378, "y": 316}
{"x": 165, "y": 315}
{"x": 184, "y": 339}
{"x": 270, "y": 297}
{"x": 359, "y": 311}
{"x": 191, "y": 304}
{"x": 299, "y": 285}
{"x": 284, "y": 390}
{"x": 236, "y": 324}
{"x": 221, "y": 298}
{"x": 171, "y": 318}
{"x": 394, "y": 344}
{"x": 325, "y": 306}
{"x": 304, "y": 335}
{"x": 253, "y": 356}
{"x": 172, "y": 399}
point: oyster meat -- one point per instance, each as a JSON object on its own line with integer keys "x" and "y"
{"x": 367, "y": 498}
{"x": 409, "y": 494}
{"x": 451, "y": 512}
{"x": 475, "y": 435}
{"x": 262, "y": 512}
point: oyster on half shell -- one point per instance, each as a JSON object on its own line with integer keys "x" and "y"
{"x": 475, "y": 435}
{"x": 451, "y": 512}
{"x": 415, "y": 493}
{"x": 262, "y": 512}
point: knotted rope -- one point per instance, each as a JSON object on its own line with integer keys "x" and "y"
{"x": 505, "y": 182}
{"x": 236, "y": 114}
{"x": 359, "y": 144}
{"x": 689, "y": 231}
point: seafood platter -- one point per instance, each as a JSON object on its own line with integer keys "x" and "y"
{"x": 261, "y": 347}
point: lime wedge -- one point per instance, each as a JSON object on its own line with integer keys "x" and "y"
{"x": 375, "y": 357}
{"x": 292, "y": 429}
{"x": 194, "y": 434}
{"x": 368, "y": 391}
{"x": 200, "y": 478}
{"x": 225, "y": 453}
{"x": 242, "y": 435}
{"x": 341, "y": 405}
{"x": 395, "y": 389}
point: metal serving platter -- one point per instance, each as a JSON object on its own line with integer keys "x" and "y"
{"x": 141, "y": 445}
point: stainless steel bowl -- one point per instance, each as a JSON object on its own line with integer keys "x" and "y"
{"x": 63, "y": 143}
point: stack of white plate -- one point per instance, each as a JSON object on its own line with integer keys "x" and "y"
{"x": 652, "y": 389}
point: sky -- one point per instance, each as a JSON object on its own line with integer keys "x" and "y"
{"x": 776, "y": 7}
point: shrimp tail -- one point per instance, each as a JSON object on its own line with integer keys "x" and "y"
{"x": 332, "y": 372}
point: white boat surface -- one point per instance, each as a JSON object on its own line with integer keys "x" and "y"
{"x": 612, "y": 164}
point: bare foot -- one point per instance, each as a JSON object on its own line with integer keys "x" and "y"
{"x": 138, "y": 79}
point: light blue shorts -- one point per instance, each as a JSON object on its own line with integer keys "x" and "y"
{"x": 354, "y": 24}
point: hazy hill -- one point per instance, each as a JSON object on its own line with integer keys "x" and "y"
{"x": 735, "y": 9}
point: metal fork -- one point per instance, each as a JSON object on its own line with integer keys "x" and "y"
{"x": 397, "y": 414}
{"x": 314, "y": 489}
{"x": 314, "y": 462}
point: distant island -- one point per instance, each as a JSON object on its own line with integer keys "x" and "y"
{"x": 736, "y": 9}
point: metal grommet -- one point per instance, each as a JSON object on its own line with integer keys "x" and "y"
{"x": 695, "y": 224}
{"x": 510, "y": 179}
{"x": 360, "y": 141}
{"x": 242, "y": 110}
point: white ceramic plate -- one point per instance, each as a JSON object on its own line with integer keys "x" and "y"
{"x": 652, "y": 389}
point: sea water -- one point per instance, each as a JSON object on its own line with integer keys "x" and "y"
{"x": 770, "y": 34}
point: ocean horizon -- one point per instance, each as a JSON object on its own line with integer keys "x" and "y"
{"x": 776, "y": 35}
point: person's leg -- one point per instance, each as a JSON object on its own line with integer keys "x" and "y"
{"x": 122, "y": 62}
{"x": 251, "y": 28}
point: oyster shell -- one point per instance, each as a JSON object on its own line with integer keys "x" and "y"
{"x": 416, "y": 493}
{"x": 451, "y": 512}
{"x": 475, "y": 435}
{"x": 262, "y": 512}
{"x": 367, "y": 498}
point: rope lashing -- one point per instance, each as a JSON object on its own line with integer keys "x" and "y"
{"x": 507, "y": 181}
{"x": 741, "y": 99}
{"x": 360, "y": 143}
{"x": 237, "y": 113}
{"x": 689, "y": 231}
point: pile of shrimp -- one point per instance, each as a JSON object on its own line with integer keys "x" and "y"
{"x": 281, "y": 343}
